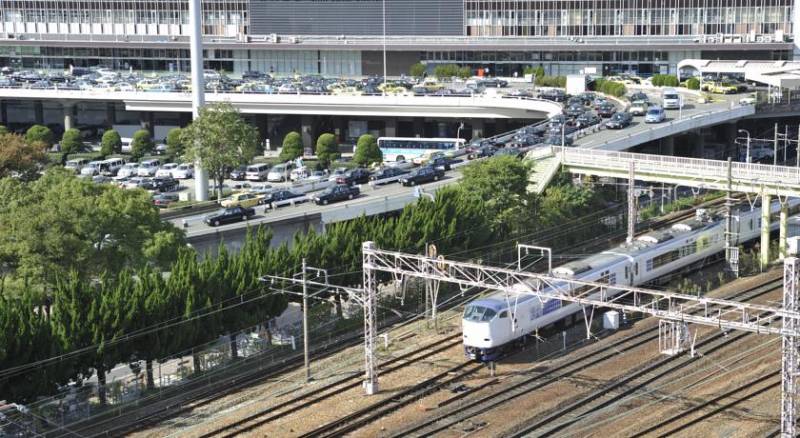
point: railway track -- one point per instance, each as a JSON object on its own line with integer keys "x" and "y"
{"x": 621, "y": 389}
{"x": 471, "y": 408}
{"x": 329, "y": 390}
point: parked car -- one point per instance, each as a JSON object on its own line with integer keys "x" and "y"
{"x": 111, "y": 166}
{"x": 239, "y": 173}
{"x": 128, "y": 170}
{"x": 556, "y": 140}
{"x": 229, "y": 215}
{"x": 574, "y": 110}
{"x": 242, "y": 199}
{"x": 166, "y": 170}
{"x": 257, "y": 172}
{"x": 280, "y": 172}
{"x": 339, "y": 192}
{"x": 587, "y": 119}
{"x": 160, "y": 184}
{"x": 358, "y": 175}
{"x": 381, "y": 176}
{"x": 183, "y": 171}
{"x": 619, "y": 120}
{"x": 508, "y": 151}
{"x": 606, "y": 110}
{"x": 481, "y": 152}
{"x": 163, "y": 200}
{"x": 638, "y": 96}
{"x": 655, "y": 114}
{"x": 280, "y": 195}
{"x": 148, "y": 168}
{"x": 422, "y": 175}
{"x": 639, "y": 108}
{"x": 76, "y": 164}
{"x": 442, "y": 163}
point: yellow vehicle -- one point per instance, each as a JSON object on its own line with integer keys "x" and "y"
{"x": 432, "y": 84}
{"x": 243, "y": 199}
{"x": 720, "y": 88}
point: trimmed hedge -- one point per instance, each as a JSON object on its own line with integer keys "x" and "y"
{"x": 664, "y": 81}
{"x": 551, "y": 81}
{"x": 612, "y": 88}
{"x": 451, "y": 70}
{"x": 693, "y": 84}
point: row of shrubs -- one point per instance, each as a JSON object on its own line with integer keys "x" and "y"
{"x": 451, "y": 71}
{"x": 664, "y": 80}
{"x": 611, "y": 88}
{"x": 551, "y": 81}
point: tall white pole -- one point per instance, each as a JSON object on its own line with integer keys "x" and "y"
{"x": 305, "y": 324}
{"x": 384, "y": 43}
{"x": 198, "y": 87}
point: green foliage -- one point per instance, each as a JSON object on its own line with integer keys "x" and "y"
{"x": 111, "y": 143}
{"x": 451, "y": 71}
{"x": 611, "y": 88}
{"x": 71, "y": 141}
{"x": 20, "y": 157}
{"x": 367, "y": 151}
{"x": 327, "y": 149}
{"x": 220, "y": 139}
{"x": 551, "y": 81}
{"x": 175, "y": 145}
{"x": 4, "y": 130}
{"x": 693, "y": 84}
{"x": 417, "y": 69}
{"x": 292, "y": 146}
{"x": 141, "y": 144}
{"x": 665, "y": 80}
{"x": 39, "y": 134}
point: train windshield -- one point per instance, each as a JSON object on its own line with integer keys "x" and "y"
{"x": 478, "y": 313}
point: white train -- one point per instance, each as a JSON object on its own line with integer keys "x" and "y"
{"x": 487, "y": 322}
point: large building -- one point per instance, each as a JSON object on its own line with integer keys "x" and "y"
{"x": 346, "y": 37}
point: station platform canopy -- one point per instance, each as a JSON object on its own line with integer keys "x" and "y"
{"x": 781, "y": 74}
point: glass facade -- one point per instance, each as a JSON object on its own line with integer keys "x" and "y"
{"x": 551, "y": 18}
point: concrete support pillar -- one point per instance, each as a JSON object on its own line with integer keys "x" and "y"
{"x": 502, "y": 126}
{"x": 699, "y": 145}
{"x": 766, "y": 201}
{"x": 38, "y": 112}
{"x": 340, "y": 124}
{"x": 146, "y": 121}
{"x": 111, "y": 114}
{"x": 69, "y": 115}
{"x": 419, "y": 127}
{"x": 390, "y": 128}
{"x": 307, "y": 131}
{"x": 783, "y": 230}
{"x": 668, "y": 146}
{"x": 477, "y": 128}
{"x": 729, "y": 132}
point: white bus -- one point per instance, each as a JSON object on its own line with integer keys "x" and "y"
{"x": 408, "y": 148}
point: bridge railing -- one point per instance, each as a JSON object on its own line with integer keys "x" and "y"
{"x": 690, "y": 168}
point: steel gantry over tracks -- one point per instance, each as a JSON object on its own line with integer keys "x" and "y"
{"x": 724, "y": 314}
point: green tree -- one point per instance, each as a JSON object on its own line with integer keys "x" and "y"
{"x": 111, "y": 143}
{"x": 367, "y": 151}
{"x": 39, "y": 134}
{"x": 693, "y": 84}
{"x": 4, "y": 130}
{"x": 175, "y": 145}
{"x": 141, "y": 144}
{"x": 292, "y": 146}
{"x": 327, "y": 149}
{"x": 220, "y": 139}
{"x": 20, "y": 157}
{"x": 538, "y": 72}
{"x": 71, "y": 141}
{"x": 417, "y": 70}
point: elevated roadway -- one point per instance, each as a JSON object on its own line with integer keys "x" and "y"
{"x": 308, "y": 104}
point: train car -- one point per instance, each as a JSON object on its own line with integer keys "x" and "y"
{"x": 494, "y": 324}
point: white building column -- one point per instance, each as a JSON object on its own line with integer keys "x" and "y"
{"x": 69, "y": 115}
{"x": 198, "y": 88}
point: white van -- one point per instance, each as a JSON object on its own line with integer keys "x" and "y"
{"x": 280, "y": 172}
{"x": 670, "y": 99}
{"x": 128, "y": 170}
{"x": 76, "y": 164}
{"x": 93, "y": 168}
{"x": 256, "y": 172}
{"x": 148, "y": 168}
{"x": 113, "y": 165}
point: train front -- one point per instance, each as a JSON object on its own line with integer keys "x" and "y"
{"x": 476, "y": 327}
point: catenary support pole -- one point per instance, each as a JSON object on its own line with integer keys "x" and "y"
{"x": 729, "y": 217}
{"x": 766, "y": 201}
{"x": 789, "y": 349}
{"x": 198, "y": 87}
{"x": 370, "y": 322}
{"x": 783, "y": 225}
{"x": 305, "y": 324}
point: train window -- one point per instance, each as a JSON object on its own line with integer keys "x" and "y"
{"x": 751, "y": 224}
{"x": 636, "y": 269}
{"x": 627, "y": 271}
{"x": 478, "y": 313}
{"x": 503, "y": 314}
{"x": 612, "y": 279}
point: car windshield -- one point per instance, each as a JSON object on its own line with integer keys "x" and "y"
{"x": 477, "y": 313}
{"x": 670, "y": 96}
{"x": 618, "y": 116}
{"x": 654, "y": 111}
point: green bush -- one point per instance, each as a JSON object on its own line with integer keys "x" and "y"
{"x": 464, "y": 72}
{"x": 174, "y": 142}
{"x": 111, "y": 143}
{"x": 551, "y": 81}
{"x": 71, "y": 141}
{"x": 367, "y": 151}
{"x": 56, "y": 158}
{"x": 664, "y": 81}
{"x": 292, "y": 146}
{"x": 417, "y": 69}
{"x": 327, "y": 149}
{"x": 141, "y": 144}
{"x": 39, "y": 134}
{"x": 449, "y": 71}
{"x": 693, "y": 84}
{"x": 611, "y": 88}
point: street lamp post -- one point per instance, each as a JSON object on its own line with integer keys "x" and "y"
{"x": 384, "y": 44}
{"x": 747, "y": 153}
